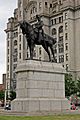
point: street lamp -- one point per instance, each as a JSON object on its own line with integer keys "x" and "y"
{"x": 6, "y": 93}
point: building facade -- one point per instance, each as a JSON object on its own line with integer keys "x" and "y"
{"x": 61, "y": 20}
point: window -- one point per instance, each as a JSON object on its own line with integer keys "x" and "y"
{"x": 50, "y": 5}
{"x": 61, "y": 58}
{"x": 55, "y": 49}
{"x": 46, "y": 4}
{"x": 40, "y": 51}
{"x": 8, "y": 51}
{"x": 15, "y": 59}
{"x": 66, "y": 27}
{"x": 15, "y": 42}
{"x": 66, "y": 46}
{"x": 19, "y": 46}
{"x": 60, "y": 2}
{"x": 8, "y": 59}
{"x": 15, "y": 52}
{"x": 61, "y": 19}
{"x": 7, "y": 35}
{"x": 66, "y": 36}
{"x": 8, "y": 43}
{"x": 52, "y": 22}
{"x": 66, "y": 66}
{"x": 7, "y": 67}
{"x": 14, "y": 75}
{"x": 65, "y": 15}
{"x": 33, "y": 10}
{"x": 14, "y": 66}
{"x": 55, "y": 21}
{"x": 66, "y": 56}
{"x": 61, "y": 48}
{"x": 8, "y": 75}
{"x": 61, "y": 39}
{"x": 20, "y": 38}
{"x": 15, "y": 34}
{"x": 19, "y": 55}
{"x": 39, "y": 5}
{"x": 54, "y": 31}
{"x": 61, "y": 29}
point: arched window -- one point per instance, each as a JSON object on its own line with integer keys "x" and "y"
{"x": 54, "y": 31}
{"x": 15, "y": 42}
{"x": 61, "y": 29}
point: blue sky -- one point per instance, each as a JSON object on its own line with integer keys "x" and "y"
{"x": 6, "y": 10}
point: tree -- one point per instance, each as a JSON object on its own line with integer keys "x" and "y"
{"x": 12, "y": 95}
{"x": 78, "y": 87}
{"x": 70, "y": 85}
{"x": 2, "y": 95}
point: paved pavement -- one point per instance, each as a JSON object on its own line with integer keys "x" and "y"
{"x": 11, "y": 113}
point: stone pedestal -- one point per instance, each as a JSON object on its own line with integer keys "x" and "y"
{"x": 40, "y": 87}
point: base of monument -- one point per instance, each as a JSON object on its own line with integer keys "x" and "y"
{"x": 40, "y": 87}
{"x": 39, "y": 105}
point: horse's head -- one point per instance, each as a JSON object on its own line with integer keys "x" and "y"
{"x": 23, "y": 26}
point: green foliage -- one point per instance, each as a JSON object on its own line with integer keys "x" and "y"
{"x": 70, "y": 85}
{"x": 2, "y": 94}
{"x": 78, "y": 87}
{"x": 12, "y": 95}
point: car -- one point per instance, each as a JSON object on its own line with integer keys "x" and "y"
{"x": 7, "y": 107}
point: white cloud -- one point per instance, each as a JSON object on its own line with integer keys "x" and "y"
{"x": 6, "y": 11}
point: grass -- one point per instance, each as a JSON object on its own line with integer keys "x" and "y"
{"x": 55, "y": 117}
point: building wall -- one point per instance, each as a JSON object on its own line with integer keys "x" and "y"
{"x": 61, "y": 20}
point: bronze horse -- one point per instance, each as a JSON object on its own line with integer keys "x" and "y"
{"x": 32, "y": 39}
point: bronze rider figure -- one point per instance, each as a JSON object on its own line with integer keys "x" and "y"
{"x": 39, "y": 26}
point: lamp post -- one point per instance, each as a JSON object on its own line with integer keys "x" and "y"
{"x": 5, "y": 98}
{"x": 6, "y": 94}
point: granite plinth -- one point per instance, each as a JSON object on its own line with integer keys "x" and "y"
{"x": 40, "y": 87}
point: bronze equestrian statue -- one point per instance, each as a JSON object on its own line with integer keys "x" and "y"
{"x": 36, "y": 36}
{"x": 38, "y": 27}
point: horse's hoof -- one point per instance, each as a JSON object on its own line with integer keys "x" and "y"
{"x": 55, "y": 61}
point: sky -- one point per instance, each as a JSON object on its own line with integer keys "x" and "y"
{"x": 6, "y": 11}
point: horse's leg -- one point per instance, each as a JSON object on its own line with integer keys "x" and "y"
{"x": 47, "y": 50}
{"x": 51, "y": 47}
{"x": 31, "y": 50}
